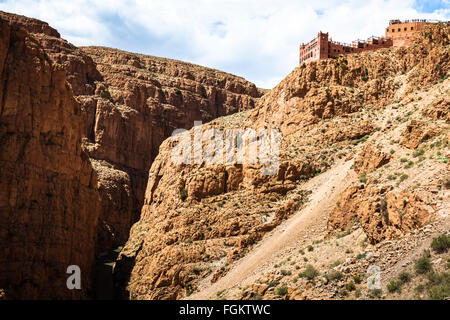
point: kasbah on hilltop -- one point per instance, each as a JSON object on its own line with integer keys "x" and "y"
{"x": 398, "y": 33}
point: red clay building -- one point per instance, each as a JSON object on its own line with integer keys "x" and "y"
{"x": 403, "y": 32}
{"x": 322, "y": 47}
{"x": 399, "y": 33}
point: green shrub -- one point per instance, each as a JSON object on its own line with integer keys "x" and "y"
{"x": 310, "y": 248}
{"x": 286, "y": 273}
{"x": 357, "y": 278}
{"x": 404, "y": 277}
{"x": 423, "y": 265}
{"x": 441, "y": 244}
{"x": 344, "y": 293}
{"x": 363, "y": 178}
{"x": 375, "y": 293}
{"x": 183, "y": 194}
{"x": 350, "y": 286}
{"x": 439, "y": 286}
{"x": 418, "y": 152}
{"x": 394, "y": 286}
{"x": 334, "y": 275}
{"x": 310, "y": 272}
{"x": 409, "y": 165}
{"x": 403, "y": 177}
{"x": 281, "y": 291}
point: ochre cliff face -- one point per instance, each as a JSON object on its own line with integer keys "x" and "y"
{"x": 198, "y": 219}
{"x": 140, "y": 102}
{"x": 130, "y": 104}
{"x": 49, "y": 200}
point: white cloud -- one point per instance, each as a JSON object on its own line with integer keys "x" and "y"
{"x": 256, "y": 39}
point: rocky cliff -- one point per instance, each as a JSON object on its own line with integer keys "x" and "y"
{"x": 199, "y": 220}
{"x": 49, "y": 199}
{"x": 124, "y": 106}
{"x": 130, "y": 104}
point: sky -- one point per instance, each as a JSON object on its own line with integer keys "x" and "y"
{"x": 255, "y": 39}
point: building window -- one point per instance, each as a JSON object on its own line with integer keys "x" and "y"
{"x": 412, "y": 28}
{"x": 404, "y": 29}
{"x": 399, "y": 29}
{"x": 387, "y": 30}
{"x": 393, "y": 30}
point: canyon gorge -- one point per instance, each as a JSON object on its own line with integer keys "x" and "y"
{"x": 86, "y": 170}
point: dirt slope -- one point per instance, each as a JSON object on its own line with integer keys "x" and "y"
{"x": 300, "y": 226}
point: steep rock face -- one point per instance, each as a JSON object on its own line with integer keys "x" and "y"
{"x": 140, "y": 102}
{"x": 198, "y": 219}
{"x": 49, "y": 199}
{"x": 130, "y": 104}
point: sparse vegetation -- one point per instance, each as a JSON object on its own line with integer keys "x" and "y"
{"x": 334, "y": 275}
{"x": 423, "y": 265}
{"x": 404, "y": 277}
{"x": 441, "y": 244}
{"x": 363, "y": 178}
{"x": 394, "y": 286}
{"x": 183, "y": 194}
{"x": 281, "y": 291}
{"x": 439, "y": 285}
{"x": 310, "y": 273}
{"x": 350, "y": 286}
{"x": 375, "y": 293}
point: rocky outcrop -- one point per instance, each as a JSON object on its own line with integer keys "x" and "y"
{"x": 139, "y": 103}
{"x": 197, "y": 220}
{"x": 130, "y": 104}
{"x": 370, "y": 158}
{"x": 49, "y": 199}
{"x": 438, "y": 109}
{"x": 382, "y": 212}
{"x": 417, "y": 132}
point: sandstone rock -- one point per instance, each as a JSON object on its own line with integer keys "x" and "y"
{"x": 438, "y": 109}
{"x": 221, "y": 210}
{"x": 130, "y": 104}
{"x": 370, "y": 158}
{"x": 383, "y": 214}
{"x": 417, "y": 132}
{"x": 49, "y": 197}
